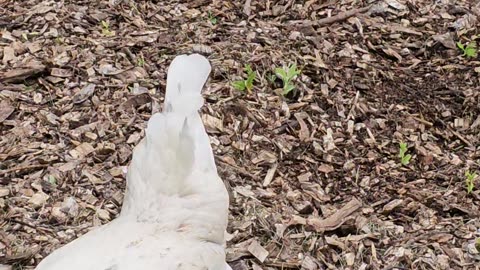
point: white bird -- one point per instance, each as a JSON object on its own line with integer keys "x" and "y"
{"x": 175, "y": 211}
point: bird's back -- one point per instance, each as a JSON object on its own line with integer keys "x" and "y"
{"x": 126, "y": 245}
{"x": 175, "y": 208}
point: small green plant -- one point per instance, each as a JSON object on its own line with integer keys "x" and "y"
{"x": 27, "y": 35}
{"x": 470, "y": 181}
{"x": 140, "y": 61}
{"x": 287, "y": 74}
{"x": 106, "y": 29}
{"x": 52, "y": 180}
{"x": 211, "y": 18}
{"x": 246, "y": 84}
{"x": 469, "y": 50}
{"x": 59, "y": 40}
{"x": 404, "y": 157}
{"x": 271, "y": 78}
{"x": 477, "y": 244}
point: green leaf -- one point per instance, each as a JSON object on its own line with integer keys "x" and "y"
{"x": 52, "y": 180}
{"x": 472, "y": 44}
{"x": 470, "y": 175}
{"x": 248, "y": 69}
{"x": 249, "y": 82}
{"x": 406, "y": 159}
{"x": 272, "y": 78}
{"x": 288, "y": 88}
{"x": 471, "y": 52}
{"x": 287, "y": 74}
{"x": 212, "y": 18}
{"x": 403, "y": 149}
{"x": 470, "y": 181}
{"x": 239, "y": 85}
{"x": 105, "y": 24}
{"x": 140, "y": 62}
{"x": 292, "y": 71}
{"x": 281, "y": 74}
{"x": 470, "y": 187}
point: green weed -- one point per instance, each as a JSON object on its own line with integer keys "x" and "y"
{"x": 59, "y": 41}
{"x": 470, "y": 181}
{"x": 211, "y": 18}
{"x": 404, "y": 157}
{"x": 246, "y": 84}
{"x": 271, "y": 78}
{"x": 140, "y": 61}
{"x": 469, "y": 50}
{"x": 287, "y": 74}
{"x": 106, "y": 29}
{"x": 52, "y": 180}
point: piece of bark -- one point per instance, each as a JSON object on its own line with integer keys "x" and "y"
{"x": 337, "y": 219}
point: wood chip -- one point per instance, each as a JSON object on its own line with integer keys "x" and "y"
{"x": 82, "y": 150}
{"x": 6, "y": 109}
{"x": 337, "y": 219}
{"x": 258, "y": 251}
{"x": 38, "y": 199}
{"x": 270, "y": 174}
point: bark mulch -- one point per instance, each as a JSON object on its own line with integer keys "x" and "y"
{"x": 312, "y": 165}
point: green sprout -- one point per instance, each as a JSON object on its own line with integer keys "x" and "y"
{"x": 470, "y": 181}
{"x": 52, "y": 180}
{"x": 469, "y": 50}
{"x": 287, "y": 74}
{"x": 140, "y": 61}
{"x": 106, "y": 29}
{"x": 59, "y": 40}
{"x": 211, "y": 18}
{"x": 404, "y": 157}
{"x": 271, "y": 78}
{"x": 246, "y": 84}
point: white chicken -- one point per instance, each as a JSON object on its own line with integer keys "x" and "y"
{"x": 175, "y": 210}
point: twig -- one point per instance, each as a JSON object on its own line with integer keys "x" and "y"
{"x": 342, "y": 16}
{"x": 239, "y": 170}
{"x": 23, "y": 168}
{"x": 460, "y": 137}
{"x": 337, "y": 18}
{"x": 283, "y": 265}
{"x": 423, "y": 121}
{"x": 36, "y": 227}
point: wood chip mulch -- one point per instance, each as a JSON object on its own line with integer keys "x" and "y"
{"x": 315, "y": 176}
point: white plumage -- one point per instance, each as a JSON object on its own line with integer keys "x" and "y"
{"x": 175, "y": 210}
